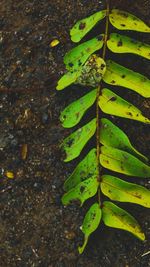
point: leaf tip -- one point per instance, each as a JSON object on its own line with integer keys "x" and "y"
{"x": 142, "y": 236}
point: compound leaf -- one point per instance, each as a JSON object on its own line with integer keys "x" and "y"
{"x": 125, "y": 21}
{"x": 85, "y": 169}
{"x": 123, "y": 162}
{"x": 121, "y": 76}
{"x": 115, "y": 217}
{"x": 75, "y": 142}
{"x": 76, "y": 57}
{"x": 113, "y": 104}
{"x": 90, "y": 223}
{"x": 111, "y": 135}
{"x": 122, "y": 191}
{"x": 67, "y": 79}
{"x": 82, "y": 191}
{"x": 83, "y": 26}
{"x": 118, "y": 43}
{"x": 73, "y": 113}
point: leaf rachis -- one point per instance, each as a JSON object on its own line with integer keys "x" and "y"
{"x": 97, "y": 104}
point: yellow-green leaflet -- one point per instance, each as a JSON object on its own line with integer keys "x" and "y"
{"x": 83, "y": 26}
{"x": 67, "y": 79}
{"x": 115, "y": 217}
{"x": 118, "y": 43}
{"x": 120, "y": 161}
{"x": 113, "y": 104}
{"x": 125, "y": 21}
{"x": 82, "y": 191}
{"x": 90, "y": 223}
{"x": 73, "y": 113}
{"x": 119, "y": 190}
{"x": 85, "y": 169}
{"x": 75, "y": 142}
{"x": 76, "y": 57}
{"x": 111, "y": 135}
{"x": 121, "y": 76}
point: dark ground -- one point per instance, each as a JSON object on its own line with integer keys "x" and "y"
{"x": 35, "y": 229}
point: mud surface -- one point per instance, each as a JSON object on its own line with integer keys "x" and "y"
{"x": 35, "y": 229}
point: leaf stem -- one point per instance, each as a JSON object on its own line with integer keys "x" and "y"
{"x": 97, "y": 100}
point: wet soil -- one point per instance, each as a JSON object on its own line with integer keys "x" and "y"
{"x": 35, "y": 229}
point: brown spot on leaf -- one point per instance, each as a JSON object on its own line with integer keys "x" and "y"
{"x": 113, "y": 98}
{"x": 123, "y": 25}
{"x": 77, "y": 115}
{"x": 70, "y": 64}
{"x": 123, "y": 76}
{"x": 82, "y": 188}
{"x": 122, "y": 168}
{"x": 129, "y": 113}
{"x": 93, "y": 215}
{"x": 82, "y": 25}
{"x": 69, "y": 142}
{"x": 79, "y": 63}
{"x": 102, "y": 66}
{"x": 138, "y": 195}
{"x": 113, "y": 82}
{"x": 88, "y": 50}
{"x": 98, "y": 75}
{"x": 120, "y": 43}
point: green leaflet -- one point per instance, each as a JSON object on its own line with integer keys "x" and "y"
{"x": 83, "y": 26}
{"x": 111, "y": 135}
{"x": 118, "y": 43}
{"x": 89, "y": 74}
{"x": 123, "y": 162}
{"x": 85, "y": 169}
{"x": 75, "y": 142}
{"x": 121, "y": 76}
{"x": 125, "y": 21}
{"x": 90, "y": 223}
{"x": 92, "y": 71}
{"x": 119, "y": 190}
{"x": 113, "y": 104}
{"x": 73, "y": 113}
{"x": 76, "y": 57}
{"x": 82, "y": 191}
{"x": 67, "y": 79}
{"x": 115, "y": 217}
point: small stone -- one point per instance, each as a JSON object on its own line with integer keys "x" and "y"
{"x": 69, "y": 235}
{"x": 44, "y": 117}
{"x": 9, "y": 174}
{"x": 54, "y": 43}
